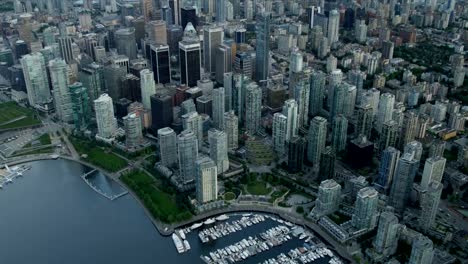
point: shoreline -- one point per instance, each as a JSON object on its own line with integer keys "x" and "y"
{"x": 167, "y": 229}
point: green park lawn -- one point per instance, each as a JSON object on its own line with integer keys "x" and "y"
{"x": 258, "y": 188}
{"x": 229, "y": 196}
{"x": 99, "y": 156}
{"x": 10, "y": 111}
{"x": 162, "y": 205}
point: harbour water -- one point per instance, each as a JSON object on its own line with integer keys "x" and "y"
{"x": 50, "y": 215}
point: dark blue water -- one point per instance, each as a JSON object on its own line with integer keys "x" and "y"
{"x": 51, "y": 216}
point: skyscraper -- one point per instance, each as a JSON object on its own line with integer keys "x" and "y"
{"x": 430, "y": 199}
{"x": 193, "y": 121}
{"x": 212, "y": 37}
{"x": 35, "y": 76}
{"x": 231, "y": 127}
{"x": 221, "y": 11}
{"x": 62, "y": 99}
{"x": 316, "y": 138}
{"x": 389, "y": 135}
{"x": 402, "y": 182}
{"x": 253, "y": 108}
{"x": 365, "y": 209}
{"x": 290, "y": 110}
{"x": 80, "y": 106}
{"x": 146, "y": 9}
{"x": 262, "y": 59}
{"x": 340, "y": 133}
{"x": 364, "y": 120}
{"x": 66, "y": 48}
{"x": 386, "y": 241}
{"x": 317, "y": 91}
{"x": 301, "y": 95}
{"x": 387, "y": 167}
{"x": 190, "y": 57}
{"x": 223, "y": 61}
{"x": 327, "y": 163}
{"x": 296, "y": 147}
{"x": 433, "y": 171}
{"x": 415, "y": 148}
{"x": 148, "y": 87}
{"x": 279, "y": 133}
{"x": 218, "y": 108}
{"x": 157, "y": 31}
{"x": 219, "y": 149}
{"x": 384, "y": 113}
{"x": 167, "y": 146}
{"x": 409, "y": 130}
{"x": 133, "y": 130}
{"x": 161, "y": 111}
{"x": 160, "y": 63}
{"x": 333, "y": 26}
{"x": 328, "y": 198}
{"x": 187, "y": 146}
{"x": 105, "y": 119}
{"x": 206, "y": 180}
{"x": 125, "y": 42}
{"x": 422, "y": 250}
{"x": 92, "y": 78}
{"x": 339, "y": 98}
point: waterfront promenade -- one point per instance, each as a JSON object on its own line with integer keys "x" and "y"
{"x": 167, "y": 229}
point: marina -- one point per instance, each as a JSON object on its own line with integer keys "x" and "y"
{"x": 249, "y": 246}
{"x": 7, "y": 175}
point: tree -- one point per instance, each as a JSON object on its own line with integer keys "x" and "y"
{"x": 300, "y": 210}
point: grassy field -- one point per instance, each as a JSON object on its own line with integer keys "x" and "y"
{"x": 10, "y": 111}
{"x": 258, "y": 188}
{"x": 44, "y": 150}
{"x": 229, "y": 196}
{"x": 99, "y": 156}
{"x": 162, "y": 205}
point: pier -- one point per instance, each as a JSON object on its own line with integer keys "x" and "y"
{"x": 96, "y": 189}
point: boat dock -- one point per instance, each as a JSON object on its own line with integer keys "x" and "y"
{"x": 7, "y": 175}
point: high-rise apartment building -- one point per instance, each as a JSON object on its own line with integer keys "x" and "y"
{"x": 167, "y": 146}
{"x": 219, "y": 149}
{"x": 105, "y": 119}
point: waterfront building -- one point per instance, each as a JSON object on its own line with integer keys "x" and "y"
{"x": 365, "y": 209}
{"x": 301, "y": 95}
{"x": 167, "y": 140}
{"x": 187, "y": 149}
{"x": 327, "y": 164}
{"x": 328, "y": 198}
{"x": 81, "y": 108}
{"x": 61, "y": 93}
{"x": 206, "y": 180}
{"x": 35, "y": 77}
{"x": 105, "y": 119}
{"x": 133, "y": 130}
